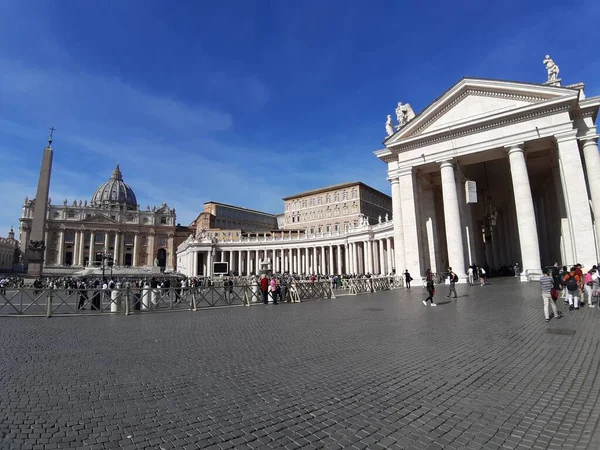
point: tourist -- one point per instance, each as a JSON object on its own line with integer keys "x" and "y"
{"x": 547, "y": 286}
{"x": 453, "y": 279}
{"x": 407, "y": 278}
{"x": 564, "y": 271}
{"x": 83, "y": 298}
{"x": 482, "y": 275}
{"x": 264, "y": 288}
{"x": 96, "y": 301}
{"x": 589, "y": 286}
{"x": 470, "y": 275}
{"x": 430, "y": 288}
{"x": 572, "y": 282}
{"x": 517, "y": 270}
{"x": 274, "y": 286}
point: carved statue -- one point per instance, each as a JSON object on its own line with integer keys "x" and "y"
{"x": 65, "y": 202}
{"x": 156, "y": 262}
{"x": 80, "y": 202}
{"x": 26, "y": 200}
{"x": 36, "y": 245}
{"x": 85, "y": 203}
{"x": 552, "y": 69}
{"x": 387, "y": 217}
{"x": 49, "y": 201}
{"x": 379, "y": 218}
{"x": 389, "y": 126}
{"x": 404, "y": 114}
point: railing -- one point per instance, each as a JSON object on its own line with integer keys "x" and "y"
{"x": 48, "y": 302}
{"x": 377, "y": 284}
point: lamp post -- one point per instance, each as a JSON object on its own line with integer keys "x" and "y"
{"x": 105, "y": 257}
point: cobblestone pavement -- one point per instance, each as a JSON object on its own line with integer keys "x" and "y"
{"x": 365, "y": 372}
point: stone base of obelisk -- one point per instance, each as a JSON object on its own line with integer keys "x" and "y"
{"x": 35, "y": 265}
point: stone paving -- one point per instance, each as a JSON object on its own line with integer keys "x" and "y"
{"x": 362, "y": 372}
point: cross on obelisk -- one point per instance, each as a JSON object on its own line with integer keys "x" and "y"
{"x": 37, "y": 240}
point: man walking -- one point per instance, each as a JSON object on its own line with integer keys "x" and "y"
{"x": 453, "y": 279}
{"x": 430, "y": 288}
{"x": 264, "y": 288}
{"x": 547, "y": 285}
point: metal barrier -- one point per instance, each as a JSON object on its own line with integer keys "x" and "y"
{"x": 47, "y": 302}
{"x": 365, "y": 285}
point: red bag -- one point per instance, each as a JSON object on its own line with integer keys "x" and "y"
{"x": 554, "y": 294}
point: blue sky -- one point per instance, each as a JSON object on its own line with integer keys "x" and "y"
{"x": 247, "y": 102}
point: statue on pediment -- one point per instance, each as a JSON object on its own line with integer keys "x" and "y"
{"x": 389, "y": 126}
{"x": 404, "y": 114}
{"x": 379, "y": 218}
{"x": 85, "y": 203}
{"x": 552, "y": 69}
{"x": 26, "y": 200}
{"x": 80, "y": 202}
{"x": 387, "y": 218}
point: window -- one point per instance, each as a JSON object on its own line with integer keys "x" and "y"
{"x": 163, "y": 220}
{"x": 71, "y": 215}
{"x": 336, "y": 197}
{"x": 336, "y": 227}
{"x": 312, "y": 231}
{"x": 320, "y": 229}
{"x": 304, "y": 203}
{"x": 319, "y": 200}
{"x": 328, "y": 228}
{"x": 354, "y": 193}
{"x": 328, "y": 198}
{"x": 345, "y": 195}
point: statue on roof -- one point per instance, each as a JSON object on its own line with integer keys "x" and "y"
{"x": 389, "y": 126}
{"x": 552, "y": 69}
{"x": 404, "y": 114}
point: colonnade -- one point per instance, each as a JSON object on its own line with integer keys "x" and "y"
{"x": 522, "y": 229}
{"x": 350, "y": 256}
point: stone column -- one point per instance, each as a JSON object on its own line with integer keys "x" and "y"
{"x": 369, "y": 260}
{"x": 81, "y": 248}
{"x": 92, "y": 253}
{"x": 339, "y": 269}
{"x": 331, "y": 269}
{"x": 61, "y": 247}
{"x": 194, "y": 263}
{"x": 134, "y": 261}
{"x": 528, "y": 237}
{"x": 106, "y": 242}
{"x": 454, "y": 237}
{"x": 75, "y": 247}
{"x": 382, "y": 267}
{"x": 592, "y": 169}
{"x": 323, "y": 268}
{"x": 399, "y": 262}
{"x": 210, "y": 263}
{"x": 247, "y": 272}
{"x": 150, "y": 249}
{"x": 389, "y": 256}
{"x": 347, "y": 267}
{"x": 410, "y": 227}
{"x": 117, "y": 252}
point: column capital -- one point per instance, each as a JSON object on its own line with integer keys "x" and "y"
{"x": 567, "y": 136}
{"x": 446, "y": 163}
{"x": 516, "y": 147}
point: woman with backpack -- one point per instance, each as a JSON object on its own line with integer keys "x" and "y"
{"x": 572, "y": 282}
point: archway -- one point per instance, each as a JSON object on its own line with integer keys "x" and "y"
{"x": 161, "y": 256}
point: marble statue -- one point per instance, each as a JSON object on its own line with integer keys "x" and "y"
{"x": 379, "y": 218}
{"x": 552, "y": 69}
{"x": 404, "y": 114}
{"x": 387, "y": 218}
{"x": 80, "y": 202}
{"x": 156, "y": 262}
{"x": 85, "y": 203}
{"x": 26, "y": 200}
{"x": 389, "y": 126}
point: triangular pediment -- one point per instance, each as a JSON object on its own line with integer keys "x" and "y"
{"x": 100, "y": 219}
{"x": 475, "y": 101}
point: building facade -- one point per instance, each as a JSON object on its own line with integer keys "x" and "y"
{"x": 112, "y": 226}
{"x": 496, "y": 173}
{"x": 335, "y": 208}
{"x": 492, "y": 173}
{"x": 9, "y": 252}
{"x": 220, "y": 216}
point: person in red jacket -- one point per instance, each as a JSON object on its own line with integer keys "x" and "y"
{"x": 264, "y": 288}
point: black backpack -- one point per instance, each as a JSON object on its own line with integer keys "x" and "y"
{"x": 571, "y": 283}
{"x": 455, "y": 278}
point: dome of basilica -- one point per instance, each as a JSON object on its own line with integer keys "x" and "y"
{"x": 114, "y": 194}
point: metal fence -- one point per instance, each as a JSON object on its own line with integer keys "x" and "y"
{"x": 48, "y": 302}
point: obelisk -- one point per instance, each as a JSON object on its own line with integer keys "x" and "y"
{"x": 37, "y": 243}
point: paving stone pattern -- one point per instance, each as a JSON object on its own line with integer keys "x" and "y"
{"x": 362, "y": 372}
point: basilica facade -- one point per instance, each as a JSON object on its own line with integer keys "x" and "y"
{"x": 111, "y": 227}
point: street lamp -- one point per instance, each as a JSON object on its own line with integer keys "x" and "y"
{"x": 105, "y": 257}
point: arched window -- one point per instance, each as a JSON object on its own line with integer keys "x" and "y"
{"x": 328, "y": 198}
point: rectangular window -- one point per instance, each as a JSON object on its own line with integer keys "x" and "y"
{"x": 163, "y": 220}
{"x": 71, "y": 215}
